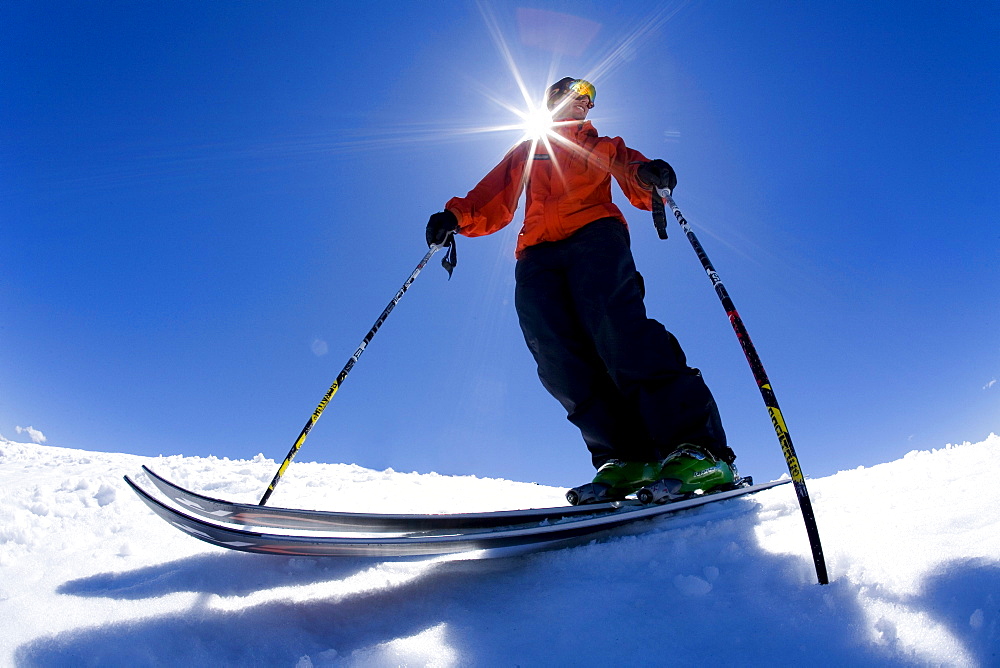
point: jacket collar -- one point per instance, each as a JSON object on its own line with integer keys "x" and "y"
{"x": 576, "y": 130}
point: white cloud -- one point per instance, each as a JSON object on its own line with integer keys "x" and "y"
{"x": 35, "y": 435}
{"x": 990, "y": 384}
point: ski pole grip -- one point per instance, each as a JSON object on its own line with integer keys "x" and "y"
{"x": 659, "y": 216}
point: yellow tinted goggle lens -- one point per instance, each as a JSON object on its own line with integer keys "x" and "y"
{"x": 581, "y": 87}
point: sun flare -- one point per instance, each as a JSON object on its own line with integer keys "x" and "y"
{"x": 527, "y": 118}
{"x": 536, "y": 122}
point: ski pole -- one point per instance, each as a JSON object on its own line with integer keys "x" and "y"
{"x": 777, "y": 420}
{"x": 350, "y": 365}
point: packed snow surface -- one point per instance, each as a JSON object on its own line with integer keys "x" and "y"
{"x": 91, "y": 577}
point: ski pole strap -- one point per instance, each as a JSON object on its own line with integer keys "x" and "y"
{"x": 659, "y": 215}
{"x": 450, "y": 259}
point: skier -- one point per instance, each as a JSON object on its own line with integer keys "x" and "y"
{"x": 623, "y": 379}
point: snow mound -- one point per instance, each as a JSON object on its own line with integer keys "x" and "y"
{"x": 91, "y": 577}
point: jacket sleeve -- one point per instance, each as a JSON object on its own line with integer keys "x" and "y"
{"x": 624, "y": 164}
{"x": 490, "y": 206}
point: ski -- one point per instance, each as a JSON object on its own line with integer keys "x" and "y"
{"x": 507, "y": 540}
{"x": 249, "y": 514}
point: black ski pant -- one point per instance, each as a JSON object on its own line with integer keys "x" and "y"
{"x": 621, "y": 376}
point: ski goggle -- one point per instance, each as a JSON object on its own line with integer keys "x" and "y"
{"x": 582, "y": 87}
{"x": 576, "y": 87}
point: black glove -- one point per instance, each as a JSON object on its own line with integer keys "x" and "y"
{"x": 658, "y": 174}
{"x": 439, "y": 226}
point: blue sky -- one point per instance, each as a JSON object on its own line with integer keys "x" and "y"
{"x": 205, "y": 206}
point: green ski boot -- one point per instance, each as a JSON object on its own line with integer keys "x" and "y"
{"x": 687, "y": 471}
{"x": 614, "y": 480}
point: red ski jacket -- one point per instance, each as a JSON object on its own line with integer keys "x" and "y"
{"x": 569, "y": 186}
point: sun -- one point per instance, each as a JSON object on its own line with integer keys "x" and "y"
{"x": 536, "y": 122}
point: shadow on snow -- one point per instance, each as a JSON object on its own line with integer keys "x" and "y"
{"x": 222, "y": 574}
{"x": 693, "y": 588}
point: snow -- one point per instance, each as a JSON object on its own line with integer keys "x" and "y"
{"x": 88, "y": 576}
